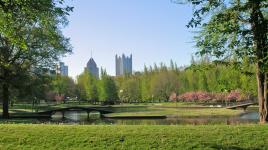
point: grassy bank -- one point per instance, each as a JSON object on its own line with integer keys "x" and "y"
{"x": 181, "y": 112}
{"x": 133, "y": 137}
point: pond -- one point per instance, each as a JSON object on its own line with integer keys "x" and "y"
{"x": 80, "y": 117}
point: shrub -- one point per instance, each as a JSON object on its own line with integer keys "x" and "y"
{"x": 233, "y": 96}
{"x": 219, "y": 97}
{"x": 188, "y": 97}
{"x": 203, "y": 96}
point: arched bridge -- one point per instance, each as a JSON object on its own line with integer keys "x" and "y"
{"x": 49, "y": 113}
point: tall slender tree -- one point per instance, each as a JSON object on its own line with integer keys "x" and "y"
{"x": 88, "y": 86}
{"x": 107, "y": 88}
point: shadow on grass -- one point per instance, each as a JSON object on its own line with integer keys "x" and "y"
{"x": 230, "y": 147}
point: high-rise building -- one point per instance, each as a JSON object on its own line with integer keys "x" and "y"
{"x": 123, "y": 65}
{"x": 62, "y": 69}
{"x": 93, "y": 68}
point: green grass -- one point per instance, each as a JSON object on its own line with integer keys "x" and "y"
{"x": 243, "y": 137}
{"x": 162, "y": 104}
{"x": 181, "y": 112}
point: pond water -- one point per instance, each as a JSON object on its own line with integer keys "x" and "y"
{"x": 94, "y": 118}
{"x": 74, "y": 117}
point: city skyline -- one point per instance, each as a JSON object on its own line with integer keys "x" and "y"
{"x": 123, "y": 64}
{"x": 154, "y": 36}
{"x": 92, "y": 65}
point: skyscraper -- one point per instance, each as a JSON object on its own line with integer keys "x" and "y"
{"x": 123, "y": 65}
{"x": 62, "y": 69}
{"x": 93, "y": 68}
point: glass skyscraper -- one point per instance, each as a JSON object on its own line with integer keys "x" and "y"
{"x": 123, "y": 65}
{"x": 93, "y": 68}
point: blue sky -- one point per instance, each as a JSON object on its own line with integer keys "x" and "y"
{"x": 153, "y": 31}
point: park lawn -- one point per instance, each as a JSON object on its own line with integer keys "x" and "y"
{"x": 162, "y": 104}
{"x": 18, "y": 110}
{"x": 181, "y": 112}
{"x": 249, "y": 137}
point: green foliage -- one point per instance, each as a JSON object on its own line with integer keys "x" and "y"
{"x": 30, "y": 39}
{"x": 103, "y": 90}
{"x": 30, "y": 33}
{"x": 159, "y": 83}
{"x": 87, "y": 86}
{"x": 130, "y": 91}
{"x": 107, "y": 88}
{"x": 235, "y": 29}
{"x": 64, "y": 85}
{"x": 164, "y": 84}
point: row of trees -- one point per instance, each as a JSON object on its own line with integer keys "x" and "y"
{"x": 162, "y": 83}
{"x": 93, "y": 90}
{"x": 159, "y": 83}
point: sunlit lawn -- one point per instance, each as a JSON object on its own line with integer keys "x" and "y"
{"x": 248, "y": 137}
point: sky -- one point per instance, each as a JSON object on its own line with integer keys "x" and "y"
{"x": 153, "y": 31}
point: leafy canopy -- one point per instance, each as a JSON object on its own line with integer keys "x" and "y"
{"x": 227, "y": 27}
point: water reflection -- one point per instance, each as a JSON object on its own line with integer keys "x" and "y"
{"x": 250, "y": 116}
{"x": 74, "y": 117}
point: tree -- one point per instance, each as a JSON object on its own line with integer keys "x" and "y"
{"x": 64, "y": 86}
{"x": 145, "y": 85}
{"x": 164, "y": 84}
{"x": 235, "y": 28}
{"x": 30, "y": 38}
{"x": 32, "y": 87}
{"x": 130, "y": 90}
{"x": 108, "y": 90}
{"x": 88, "y": 86}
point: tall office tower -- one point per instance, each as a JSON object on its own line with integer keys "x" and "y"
{"x": 93, "y": 68}
{"x": 123, "y": 65}
{"x": 62, "y": 69}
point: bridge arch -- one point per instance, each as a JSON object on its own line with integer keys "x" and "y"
{"x": 88, "y": 110}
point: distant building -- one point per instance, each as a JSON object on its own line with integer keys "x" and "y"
{"x": 93, "y": 68}
{"x": 62, "y": 69}
{"x": 123, "y": 65}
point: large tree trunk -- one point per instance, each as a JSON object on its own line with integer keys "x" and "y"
{"x": 262, "y": 95}
{"x": 5, "y": 89}
{"x": 259, "y": 28}
{"x": 5, "y": 93}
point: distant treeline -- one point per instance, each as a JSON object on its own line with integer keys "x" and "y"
{"x": 161, "y": 83}
{"x": 203, "y": 80}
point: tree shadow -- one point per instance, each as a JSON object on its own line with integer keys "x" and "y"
{"x": 230, "y": 147}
